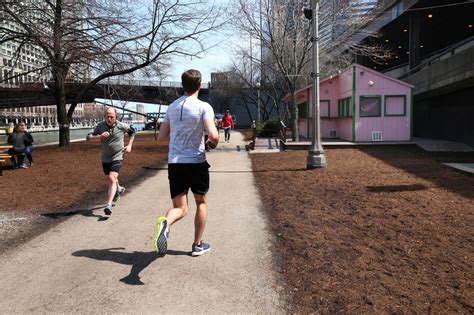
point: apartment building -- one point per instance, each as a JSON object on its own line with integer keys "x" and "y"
{"x": 24, "y": 65}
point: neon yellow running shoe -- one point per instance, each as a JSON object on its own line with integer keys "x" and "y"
{"x": 160, "y": 239}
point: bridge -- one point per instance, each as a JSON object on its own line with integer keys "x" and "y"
{"x": 157, "y": 92}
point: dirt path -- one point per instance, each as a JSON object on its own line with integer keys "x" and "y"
{"x": 90, "y": 265}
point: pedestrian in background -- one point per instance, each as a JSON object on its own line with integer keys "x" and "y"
{"x": 22, "y": 142}
{"x": 227, "y": 124}
{"x": 186, "y": 121}
{"x": 111, "y": 133}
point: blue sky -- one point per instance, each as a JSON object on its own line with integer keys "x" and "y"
{"x": 215, "y": 59}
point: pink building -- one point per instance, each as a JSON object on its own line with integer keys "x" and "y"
{"x": 359, "y": 105}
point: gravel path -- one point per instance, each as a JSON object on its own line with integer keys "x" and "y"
{"x": 90, "y": 265}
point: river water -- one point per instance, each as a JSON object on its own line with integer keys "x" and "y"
{"x": 53, "y": 136}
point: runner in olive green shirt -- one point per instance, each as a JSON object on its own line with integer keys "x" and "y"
{"x": 112, "y": 135}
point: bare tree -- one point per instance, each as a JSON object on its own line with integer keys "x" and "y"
{"x": 238, "y": 80}
{"x": 98, "y": 39}
{"x": 346, "y": 33}
{"x": 284, "y": 35}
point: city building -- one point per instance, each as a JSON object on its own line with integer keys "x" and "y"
{"x": 430, "y": 45}
{"x": 24, "y": 65}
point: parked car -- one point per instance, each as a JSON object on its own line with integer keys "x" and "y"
{"x": 219, "y": 117}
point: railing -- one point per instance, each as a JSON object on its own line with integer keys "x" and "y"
{"x": 146, "y": 82}
{"x": 435, "y": 57}
{"x": 111, "y": 81}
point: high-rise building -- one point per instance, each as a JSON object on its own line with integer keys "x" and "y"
{"x": 25, "y": 64}
{"x": 20, "y": 63}
{"x": 337, "y": 16}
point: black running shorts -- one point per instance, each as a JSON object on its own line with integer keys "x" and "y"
{"x": 113, "y": 166}
{"x": 183, "y": 176}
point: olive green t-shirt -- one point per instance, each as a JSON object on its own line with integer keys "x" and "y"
{"x": 113, "y": 146}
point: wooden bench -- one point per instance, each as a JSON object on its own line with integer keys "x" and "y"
{"x": 4, "y": 157}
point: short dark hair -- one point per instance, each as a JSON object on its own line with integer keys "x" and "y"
{"x": 191, "y": 80}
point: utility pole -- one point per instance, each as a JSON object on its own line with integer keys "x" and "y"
{"x": 316, "y": 157}
{"x": 260, "y": 84}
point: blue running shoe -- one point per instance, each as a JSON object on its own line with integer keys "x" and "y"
{"x": 160, "y": 239}
{"x": 200, "y": 249}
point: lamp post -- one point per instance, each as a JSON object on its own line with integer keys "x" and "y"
{"x": 258, "y": 101}
{"x": 316, "y": 157}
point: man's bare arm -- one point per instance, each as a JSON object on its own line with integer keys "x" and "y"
{"x": 211, "y": 130}
{"x": 164, "y": 134}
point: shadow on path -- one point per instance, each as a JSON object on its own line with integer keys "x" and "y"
{"x": 138, "y": 260}
{"x": 426, "y": 165}
{"x": 83, "y": 212}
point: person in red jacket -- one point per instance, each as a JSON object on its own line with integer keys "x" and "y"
{"x": 227, "y": 124}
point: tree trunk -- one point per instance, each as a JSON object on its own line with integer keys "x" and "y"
{"x": 63, "y": 119}
{"x": 295, "y": 134}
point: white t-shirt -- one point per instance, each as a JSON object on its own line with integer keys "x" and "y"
{"x": 186, "y": 116}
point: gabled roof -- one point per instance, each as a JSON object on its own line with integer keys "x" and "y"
{"x": 361, "y": 67}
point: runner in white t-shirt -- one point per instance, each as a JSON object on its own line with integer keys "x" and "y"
{"x": 186, "y": 121}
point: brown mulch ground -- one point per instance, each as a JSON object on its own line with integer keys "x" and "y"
{"x": 67, "y": 179}
{"x": 380, "y": 230}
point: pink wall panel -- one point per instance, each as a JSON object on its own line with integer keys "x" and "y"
{"x": 345, "y": 83}
{"x": 326, "y": 126}
{"x": 344, "y": 129}
{"x": 365, "y": 126}
{"x": 303, "y": 128}
{"x": 396, "y": 129}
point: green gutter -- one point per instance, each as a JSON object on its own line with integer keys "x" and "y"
{"x": 353, "y": 103}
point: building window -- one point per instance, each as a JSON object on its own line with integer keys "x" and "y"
{"x": 303, "y": 110}
{"x": 370, "y": 106}
{"x": 395, "y": 105}
{"x": 324, "y": 108}
{"x": 344, "y": 107}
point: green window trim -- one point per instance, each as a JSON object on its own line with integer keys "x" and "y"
{"x": 404, "y": 106}
{"x": 303, "y": 110}
{"x": 344, "y": 107}
{"x": 362, "y": 97}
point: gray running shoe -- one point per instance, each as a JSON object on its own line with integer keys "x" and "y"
{"x": 119, "y": 191}
{"x": 108, "y": 209}
{"x": 198, "y": 250}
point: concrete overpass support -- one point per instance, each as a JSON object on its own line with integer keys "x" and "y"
{"x": 443, "y": 97}
{"x": 414, "y": 42}
{"x": 449, "y": 72}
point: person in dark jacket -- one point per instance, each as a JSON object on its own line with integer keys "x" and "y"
{"x": 22, "y": 143}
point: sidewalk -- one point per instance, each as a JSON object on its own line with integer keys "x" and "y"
{"x": 89, "y": 265}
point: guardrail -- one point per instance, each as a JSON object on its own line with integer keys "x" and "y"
{"x": 432, "y": 58}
